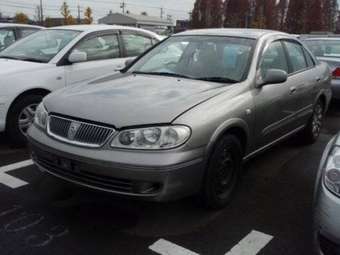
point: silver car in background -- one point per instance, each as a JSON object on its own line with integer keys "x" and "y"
{"x": 182, "y": 118}
{"x": 328, "y": 50}
{"x": 327, "y": 200}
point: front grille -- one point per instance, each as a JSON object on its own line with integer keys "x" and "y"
{"x": 77, "y": 132}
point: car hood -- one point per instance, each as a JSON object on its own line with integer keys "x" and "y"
{"x": 9, "y": 66}
{"x": 130, "y": 100}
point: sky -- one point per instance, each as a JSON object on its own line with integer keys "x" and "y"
{"x": 179, "y": 9}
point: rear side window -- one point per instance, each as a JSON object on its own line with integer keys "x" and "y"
{"x": 100, "y": 47}
{"x": 310, "y": 61}
{"x": 136, "y": 44}
{"x": 274, "y": 58}
{"x": 7, "y": 37}
{"x": 296, "y": 56}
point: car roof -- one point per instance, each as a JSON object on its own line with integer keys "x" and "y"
{"x": 233, "y": 32}
{"x": 321, "y": 39}
{"x": 94, "y": 28}
{"x": 2, "y": 25}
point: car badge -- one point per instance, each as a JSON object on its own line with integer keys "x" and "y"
{"x": 74, "y": 127}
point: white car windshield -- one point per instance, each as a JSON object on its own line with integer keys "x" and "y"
{"x": 41, "y": 46}
{"x": 211, "y": 58}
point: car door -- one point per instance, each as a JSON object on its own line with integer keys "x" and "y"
{"x": 7, "y": 37}
{"x": 302, "y": 78}
{"x": 104, "y": 56}
{"x": 274, "y": 105}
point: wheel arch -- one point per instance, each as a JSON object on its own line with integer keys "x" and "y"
{"x": 36, "y": 91}
{"x": 236, "y": 127}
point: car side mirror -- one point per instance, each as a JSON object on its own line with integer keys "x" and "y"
{"x": 77, "y": 57}
{"x": 274, "y": 76}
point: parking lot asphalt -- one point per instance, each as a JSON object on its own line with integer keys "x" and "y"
{"x": 42, "y": 215}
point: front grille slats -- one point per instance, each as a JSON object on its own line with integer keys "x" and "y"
{"x": 77, "y": 132}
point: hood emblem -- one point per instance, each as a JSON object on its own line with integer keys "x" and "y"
{"x": 72, "y": 131}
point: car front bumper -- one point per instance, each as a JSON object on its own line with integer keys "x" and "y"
{"x": 335, "y": 83}
{"x": 156, "y": 176}
{"x": 327, "y": 222}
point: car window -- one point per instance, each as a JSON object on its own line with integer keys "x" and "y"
{"x": 7, "y": 37}
{"x": 100, "y": 47}
{"x": 136, "y": 44}
{"x": 310, "y": 61}
{"x": 274, "y": 58}
{"x": 27, "y": 31}
{"x": 213, "y": 58}
{"x": 324, "y": 48}
{"x": 41, "y": 46}
{"x": 296, "y": 56}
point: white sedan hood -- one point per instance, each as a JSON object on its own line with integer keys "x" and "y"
{"x": 9, "y": 66}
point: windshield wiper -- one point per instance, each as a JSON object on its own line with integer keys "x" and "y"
{"x": 8, "y": 57}
{"x": 217, "y": 79}
{"x": 164, "y": 74}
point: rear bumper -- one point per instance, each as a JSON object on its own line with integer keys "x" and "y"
{"x": 335, "y": 83}
{"x": 91, "y": 168}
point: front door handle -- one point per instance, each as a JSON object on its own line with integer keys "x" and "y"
{"x": 292, "y": 90}
{"x": 318, "y": 79}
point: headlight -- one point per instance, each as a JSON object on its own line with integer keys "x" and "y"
{"x": 40, "y": 117}
{"x": 332, "y": 171}
{"x": 152, "y": 138}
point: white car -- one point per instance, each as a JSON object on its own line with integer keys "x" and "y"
{"x": 53, "y": 58}
{"x": 11, "y": 32}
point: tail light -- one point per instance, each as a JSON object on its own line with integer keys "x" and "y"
{"x": 336, "y": 73}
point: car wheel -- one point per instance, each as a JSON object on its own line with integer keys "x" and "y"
{"x": 313, "y": 129}
{"x": 222, "y": 173}
{"x": 21, "y": 116}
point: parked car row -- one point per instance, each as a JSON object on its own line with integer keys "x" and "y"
{"x": 176, "y": 119}
{"x": 57, "y": 57}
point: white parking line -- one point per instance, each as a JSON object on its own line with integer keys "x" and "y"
{"x": 164, "y": 247}
{"x": 252, "y": 244}
{"x": 11, "y": 181}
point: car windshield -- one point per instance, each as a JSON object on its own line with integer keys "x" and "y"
{"x": 210, "y": 58}
{"x": 324, "y": 48}
{"x": 41, "y": 46}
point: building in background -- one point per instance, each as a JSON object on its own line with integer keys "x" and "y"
{"x": 155, "y": 24}
{"x": 182, "y": 25}
{"x": 6, "y": 19}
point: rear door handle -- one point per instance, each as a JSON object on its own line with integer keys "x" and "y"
{"x": 292, "y": 90}
{"x": 318, "y": 79}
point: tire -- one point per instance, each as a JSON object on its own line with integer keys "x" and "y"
{"x": 22, "y": 109}
{"x": 222, "y": 173}
{"x": 311, "y": 132}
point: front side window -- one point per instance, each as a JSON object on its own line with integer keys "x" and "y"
{"x": 7, "y": 37}
{"x": 100, "y": 47}
{"x": 41, "y": 46}
{"x": 324, "y": 48}
{"x": 296, "y": 56}
{"x": 213, "y": 58}
{"x": 136, "y": 44}
{"x": 274, "y": 58}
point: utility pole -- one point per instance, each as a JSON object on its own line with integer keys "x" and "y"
{"x": 41, "y": 13}
{"x": 122, "y": 6}
{"x": 79, "y": 14}
{"x": 162, "y": 12}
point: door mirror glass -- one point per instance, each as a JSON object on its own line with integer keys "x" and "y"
{"x": 77, "y": 57}
{"x": 274, "y": 76}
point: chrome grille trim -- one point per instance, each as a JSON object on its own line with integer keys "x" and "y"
{"x": 85, "y": 134}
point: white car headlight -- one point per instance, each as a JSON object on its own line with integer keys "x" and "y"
{"x": 332, "y": 171}
{"x": 152, "y": 138}
{"x": 40, "y": 117}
